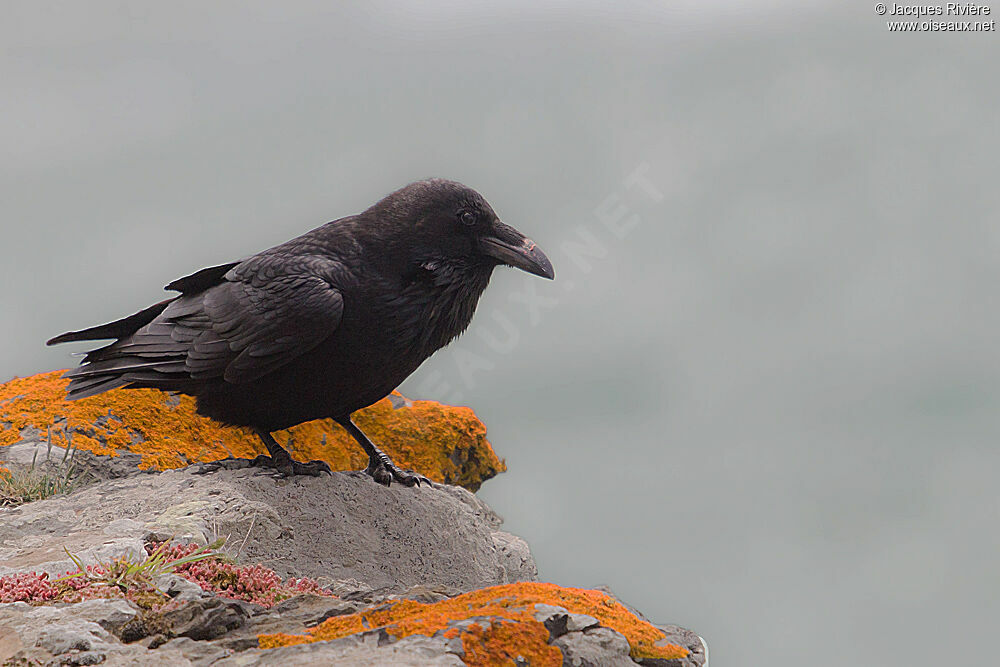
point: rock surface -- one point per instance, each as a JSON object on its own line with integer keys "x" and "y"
{"x": 157, "y": 431}
{"x": 400, "y": 576}
{"x": 340, "y": 526}
{"x": 424, "y": 576}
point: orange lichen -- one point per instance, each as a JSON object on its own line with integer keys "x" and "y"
{"x": 503, "y": 642}
{"x": 447, "y": 444}
{"x": 514, "y": 603}
{"x": 460, "y": 452}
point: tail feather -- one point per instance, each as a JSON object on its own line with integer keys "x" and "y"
{"x": 134, "y": 359}
{"x": 155, "y": 350}
{"x": 117, "y": 329}
{"x": 97, "y": 377}
{"x": 84, "y": 387}
{"x": 122, "y": 365}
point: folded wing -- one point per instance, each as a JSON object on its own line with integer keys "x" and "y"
{"x": 258, "y": 316}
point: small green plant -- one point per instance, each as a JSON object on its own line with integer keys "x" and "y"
{"x": 133, "y": 579}
{"x": 125, "y": 574}
{"x": 25, "y": 485}
{"x": 127, "y": 578}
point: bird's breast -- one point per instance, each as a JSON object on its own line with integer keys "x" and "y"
{"x": 422, "y": 317}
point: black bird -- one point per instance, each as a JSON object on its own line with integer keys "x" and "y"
{"x": 320, "y": 326}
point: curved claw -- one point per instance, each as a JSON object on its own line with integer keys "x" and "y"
{"x": 411, "y": 478}
{"x": 386, "y": 472}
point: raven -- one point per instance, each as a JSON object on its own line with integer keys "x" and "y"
{"x": 320, "y": 326}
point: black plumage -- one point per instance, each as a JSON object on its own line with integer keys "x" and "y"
{"x": 320, "y": 326}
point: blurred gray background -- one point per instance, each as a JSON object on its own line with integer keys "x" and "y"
{"x": 760, "y": 399}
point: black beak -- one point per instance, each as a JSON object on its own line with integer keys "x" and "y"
{"x": 511, "y": 247}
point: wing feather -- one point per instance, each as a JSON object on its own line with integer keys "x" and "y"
{"x": 265, "y": 312}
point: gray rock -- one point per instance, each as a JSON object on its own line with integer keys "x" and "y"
{"x": 293, "y": 616}
{"x": 355, "y": 651}
{"x": 349, "y": 588}
{"x": 74, "y": 634}
{"x": 86, "y": 658}
{"x": 309, "y": 610}
{"x": 206, "y": 618}
{"x": 340, "y": 526}
{"x": 61, "y": 638}
{"x": 515, "y": 556}
{"x": 429, "y": 594}
{"x": 580, "y": 622}
{"x": 698, "y": 656}
{"x": 675, "y": 634}
{"x": 199, "y": 654}
{"x": 179, "y": 588}
{"x": 109, "y": 615}
{"x": 594, "y": 647}
{"x": 691, "y": 641}
{"x": 558, "y": 621}
{"x": 545, "y": 611}
{"x": 112, "y": 615}
{"x": 582, "y": 640}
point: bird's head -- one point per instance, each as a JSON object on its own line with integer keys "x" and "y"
{"x": 441, "y": 223}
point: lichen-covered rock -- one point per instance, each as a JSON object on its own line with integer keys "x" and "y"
{"x": 400, "y": 576}
{"x": 495, "y": 625}
{"x": 447, "y": 444}
{"x": 403, "y": 577}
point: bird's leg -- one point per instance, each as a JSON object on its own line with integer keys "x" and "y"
{"x": 282, "y": 461}
{"x": 380, "y": 466}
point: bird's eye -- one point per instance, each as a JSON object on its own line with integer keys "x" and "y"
{"x": 467, "y": 218}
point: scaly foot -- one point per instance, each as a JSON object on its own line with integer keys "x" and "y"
{"x": 384, "y": 471}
